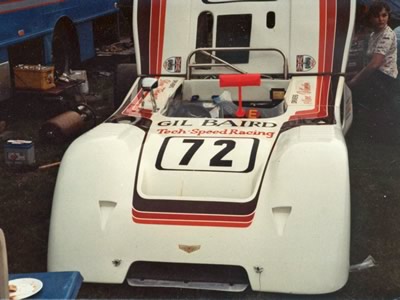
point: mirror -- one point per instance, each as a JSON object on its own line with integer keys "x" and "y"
{"x": 149, "y": 83}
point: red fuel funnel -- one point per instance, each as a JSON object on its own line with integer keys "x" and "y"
{"x": 239, "y": 80}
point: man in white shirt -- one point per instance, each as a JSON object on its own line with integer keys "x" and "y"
{"x": 379, "y": 75}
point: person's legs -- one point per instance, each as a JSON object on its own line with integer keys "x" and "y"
{"x": 385, "y": 85}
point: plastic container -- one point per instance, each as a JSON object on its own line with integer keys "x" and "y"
{"x": 19, "y": 152}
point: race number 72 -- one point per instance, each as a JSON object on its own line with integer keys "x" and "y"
{"x": 207, "y": 154}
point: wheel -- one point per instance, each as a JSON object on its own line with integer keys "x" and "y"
{"x": 125, "y": 76}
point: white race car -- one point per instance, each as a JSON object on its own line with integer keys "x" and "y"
{"x": 226, "y": 164}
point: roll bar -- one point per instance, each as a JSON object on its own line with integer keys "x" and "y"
{"x": 223, "y": 63}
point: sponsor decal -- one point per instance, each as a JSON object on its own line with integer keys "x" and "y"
{"x": 307, "y": 100}
{"x": 304, "y": 63}
{"x": 303, "y": 93}
{"x": 200, "y": 132}
{"x": 162, "y": 85}
{"x": 219, "y": 123}
{"x": 135, "y": 108}
{"x": 173, "y": 64}
{"x": 304, "y": 88}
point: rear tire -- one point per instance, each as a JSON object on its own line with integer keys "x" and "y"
{"x": 125, "y": 76}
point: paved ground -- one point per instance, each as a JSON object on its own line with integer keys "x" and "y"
{"x": 374, "y": 151}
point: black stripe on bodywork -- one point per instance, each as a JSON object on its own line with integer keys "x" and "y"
{"x": 342, "y": 27}
{"x": 143, "y": 30}
{"x": 194, "y": 207}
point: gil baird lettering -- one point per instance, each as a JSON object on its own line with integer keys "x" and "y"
{"x": 219, "y": 123}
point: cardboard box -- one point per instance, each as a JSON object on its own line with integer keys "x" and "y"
{"x": 36, "y": 77}
{"x": 19, "y": 152}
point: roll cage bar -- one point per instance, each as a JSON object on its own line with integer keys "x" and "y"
{"x": 222, "y": 63}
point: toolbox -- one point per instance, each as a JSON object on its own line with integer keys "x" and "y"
{"x": 19, "y": 152}
{"x": 36, "y": 77}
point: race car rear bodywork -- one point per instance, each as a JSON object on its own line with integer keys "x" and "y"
{"x": 227, "y": 164}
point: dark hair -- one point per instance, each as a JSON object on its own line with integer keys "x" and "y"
{"x": 376, "y": 7}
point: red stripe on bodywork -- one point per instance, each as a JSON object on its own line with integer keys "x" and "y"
{"x": 157, "y": 29}
{"x": 192, "y": 219}
{"x": 328, "y": 11}
{"x": 191, "y": 223}
{"x": 180, "y": 216}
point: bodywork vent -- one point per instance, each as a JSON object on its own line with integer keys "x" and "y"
{"x": 192, "y": 276}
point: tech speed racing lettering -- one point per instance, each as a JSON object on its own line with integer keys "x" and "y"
{"x": 231, "y": 131}
{"x": 217, "y": 154}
